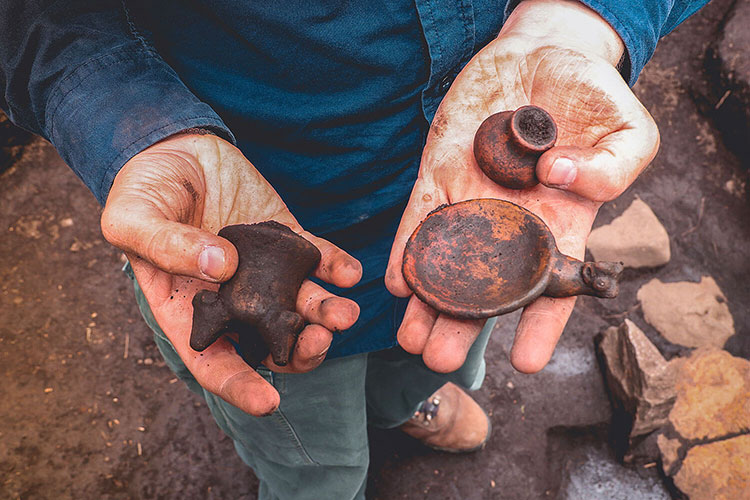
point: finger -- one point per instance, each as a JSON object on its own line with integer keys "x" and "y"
{"x": 318, "y": 305}
{"x": 542, "y": 323}
{"x": 309, "y": 351}
{"x": 419, "y": 318}
{"x": 604, "y": 171}
{"x": 425, "y": 197}
{"x": 170, "y": 246}
{"x": 220, "y": 370}
{"x": 336, "y": 266}
{"x": 449, "y": 342}
{"x": 446, "y": 156}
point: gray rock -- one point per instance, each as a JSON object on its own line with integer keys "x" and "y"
{"x": 636, "y": 238}
{"x": 599, "y": 477}
{"x": 640, "y": 380}
{"x": 734, "y": 44}
{"x": 729, "y": 61}
{"x": 688, "y": 314}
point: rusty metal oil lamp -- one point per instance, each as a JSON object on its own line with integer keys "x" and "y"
{"x": 485, "y": 257}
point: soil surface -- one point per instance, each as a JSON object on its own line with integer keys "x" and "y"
{"x": 89, "y": 410}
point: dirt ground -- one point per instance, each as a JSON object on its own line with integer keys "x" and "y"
{"x": 89, "y": 410}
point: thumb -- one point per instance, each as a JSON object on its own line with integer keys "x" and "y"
{"x": 171, "y": 246}
{"x": 604, "y": 171}
{"x": 424, "y": 198}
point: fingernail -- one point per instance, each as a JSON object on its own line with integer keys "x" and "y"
{"x": 354, "y": 265}
{"x": 562, "y": 173}
{"x": 211, "y": 262}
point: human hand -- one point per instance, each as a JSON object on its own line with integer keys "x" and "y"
{"x": 560, "y": 56}
{"x": 164, "y": 210}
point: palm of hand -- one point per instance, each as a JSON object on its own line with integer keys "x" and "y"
{"x": 546, "y": 78}
{"x": 165, "y": 208}
{"x": 204, "y": 184}
{"x": 592, "y": 108}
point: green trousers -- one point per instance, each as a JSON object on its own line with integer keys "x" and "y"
{"x": 314, "y": 446}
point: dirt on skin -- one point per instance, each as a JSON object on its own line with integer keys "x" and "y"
{"x": 89, "y": 410}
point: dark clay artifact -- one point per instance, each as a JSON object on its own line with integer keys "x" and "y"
{"x": 508, "y": 144}
{"x": 259, "y": 301}
{"x": 481, "y": 258}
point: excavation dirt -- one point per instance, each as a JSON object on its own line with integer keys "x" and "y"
{"x": 89, "y": 410}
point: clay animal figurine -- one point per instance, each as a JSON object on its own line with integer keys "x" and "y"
{"x": 508, "y": 145}
{"x": 485, "y": 257}
{"x": 258, "y": 302}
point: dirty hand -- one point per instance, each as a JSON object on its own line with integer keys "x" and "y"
{"x": 560, "y": 56}
{"x": 164, "y": 210}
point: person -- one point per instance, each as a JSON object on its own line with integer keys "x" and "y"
{"x": 347, "y": 121}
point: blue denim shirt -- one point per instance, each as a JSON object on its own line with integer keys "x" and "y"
{"x": 331, "y": 100}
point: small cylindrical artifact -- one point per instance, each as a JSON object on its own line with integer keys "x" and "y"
{"x": 508, "y": 145}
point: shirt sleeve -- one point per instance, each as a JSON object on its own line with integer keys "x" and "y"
{"x": 640, "y": 24}
{"x": 79, "y": 74}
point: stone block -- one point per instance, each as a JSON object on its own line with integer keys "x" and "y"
{"x": 636, "y": 238}
{"x": 688, "y": 314}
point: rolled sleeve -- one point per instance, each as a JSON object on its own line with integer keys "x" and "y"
{"x": 79, "y": 74}
{"x": 114, "y": 106}
{"x": 640, "y": 24}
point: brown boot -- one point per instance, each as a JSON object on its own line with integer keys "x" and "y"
{"x": 450, "y": 420}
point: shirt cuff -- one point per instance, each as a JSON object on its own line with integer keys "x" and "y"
{"x": 637, "y": 22}
{"x": 114, "y": 106}
{"x": 639, "y": 26}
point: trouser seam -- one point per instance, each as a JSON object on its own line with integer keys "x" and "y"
{"x": 291, "y": 433}
{"x": 279, "y": 416}
{"x": 279, "y": 381}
